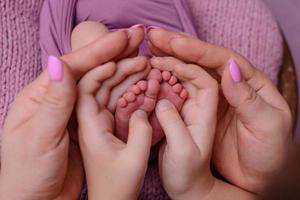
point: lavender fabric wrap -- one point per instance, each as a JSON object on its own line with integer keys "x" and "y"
{"x": 58, "y": 18}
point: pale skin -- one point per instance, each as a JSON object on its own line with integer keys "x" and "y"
{"x": 194, "y": 180}
{"x": 130, "y": 100}
{"x": 253, "y": 131}
{"x": 264, "y": 97}
{"x": 111, "y": 165}
{"x": 189, "y": 137}
{"x": 38, "y": 161}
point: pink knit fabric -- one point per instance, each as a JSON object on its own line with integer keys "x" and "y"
{"x": 20, "y": 61}
{"x": 247, "y": 27}
{"x": 243, "y": 25}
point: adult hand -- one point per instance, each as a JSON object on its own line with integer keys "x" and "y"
{"x": 254, "y": 125}
{"x": 114, "y": 170}
{"x": 35, "y": 159}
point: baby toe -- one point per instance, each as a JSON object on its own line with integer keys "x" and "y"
{"x": 166, "y": 76}
{"x": 155, "y": 74}
{"x": 177, "y": 88}
{"x": 142, "y": 85}
{"x": 173, "y": 80}
{"x": 129, "y": 97}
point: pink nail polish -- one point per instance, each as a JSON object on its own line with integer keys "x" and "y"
{"x": 55, "y": 68}
{"x": 138, "y": 26}
{"x": 235, "y": 71}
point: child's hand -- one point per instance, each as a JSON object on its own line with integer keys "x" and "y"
{"x": 184, "y": 160}
{"x": 114, "y": 170}
{"x": 254, "y": 121}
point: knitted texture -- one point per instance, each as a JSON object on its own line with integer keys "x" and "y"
{"x": 247, "y": 27}
{"x": 242, "y": 25}
{"x": 20, "y": 61}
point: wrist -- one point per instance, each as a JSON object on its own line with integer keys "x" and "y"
{"x": 198, "y": 190}
{"x": 11, "y": 193}
{"x": 14, "y": 191}
{"x": 107, "y": 193}
{"x": 225, "y": 191}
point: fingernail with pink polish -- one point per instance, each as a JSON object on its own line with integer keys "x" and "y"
{"x": 55, "y": 68}
{"x": 235, "y": 71}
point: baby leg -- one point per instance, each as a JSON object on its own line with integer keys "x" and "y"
{"x": 85, "y": 33}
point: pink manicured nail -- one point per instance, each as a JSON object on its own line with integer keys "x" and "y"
{"x": 235, "y": 72}
{"x": 138, "y": 26}
{"x": 55, "y": 68}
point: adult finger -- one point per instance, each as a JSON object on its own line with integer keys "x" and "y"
{"x": 193, "y": 50}
{"x": 139, "y": 137}
{"x": 136, "y": 36}
{"x": 177, "y": 134}
{"x": 57, "y": 103}
{"x": 96, "y": 53}
{"x": 249, "y": 101}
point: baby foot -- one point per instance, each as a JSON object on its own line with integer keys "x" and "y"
{"x": 173, "y": 91}
{"x": 142, "y": 95}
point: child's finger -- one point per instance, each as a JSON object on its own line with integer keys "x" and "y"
{"x": 177, "y": 134}
{"x": 203, "y": 92}
{"x": 200, "y": 113}
{"x": 120, "y": 89}
{"x": 125, "y": 68}
{"x": 139, "y": 137}
{"x": 89, "y": 85}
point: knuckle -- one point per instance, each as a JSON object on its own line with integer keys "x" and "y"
{"x": 250, "y": 95}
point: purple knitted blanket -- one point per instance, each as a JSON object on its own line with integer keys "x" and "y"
{"x": 244, "y": 26}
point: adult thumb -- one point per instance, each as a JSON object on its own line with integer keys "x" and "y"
{"x": 57, "y": 102}
{"x": 250, "y": 107}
